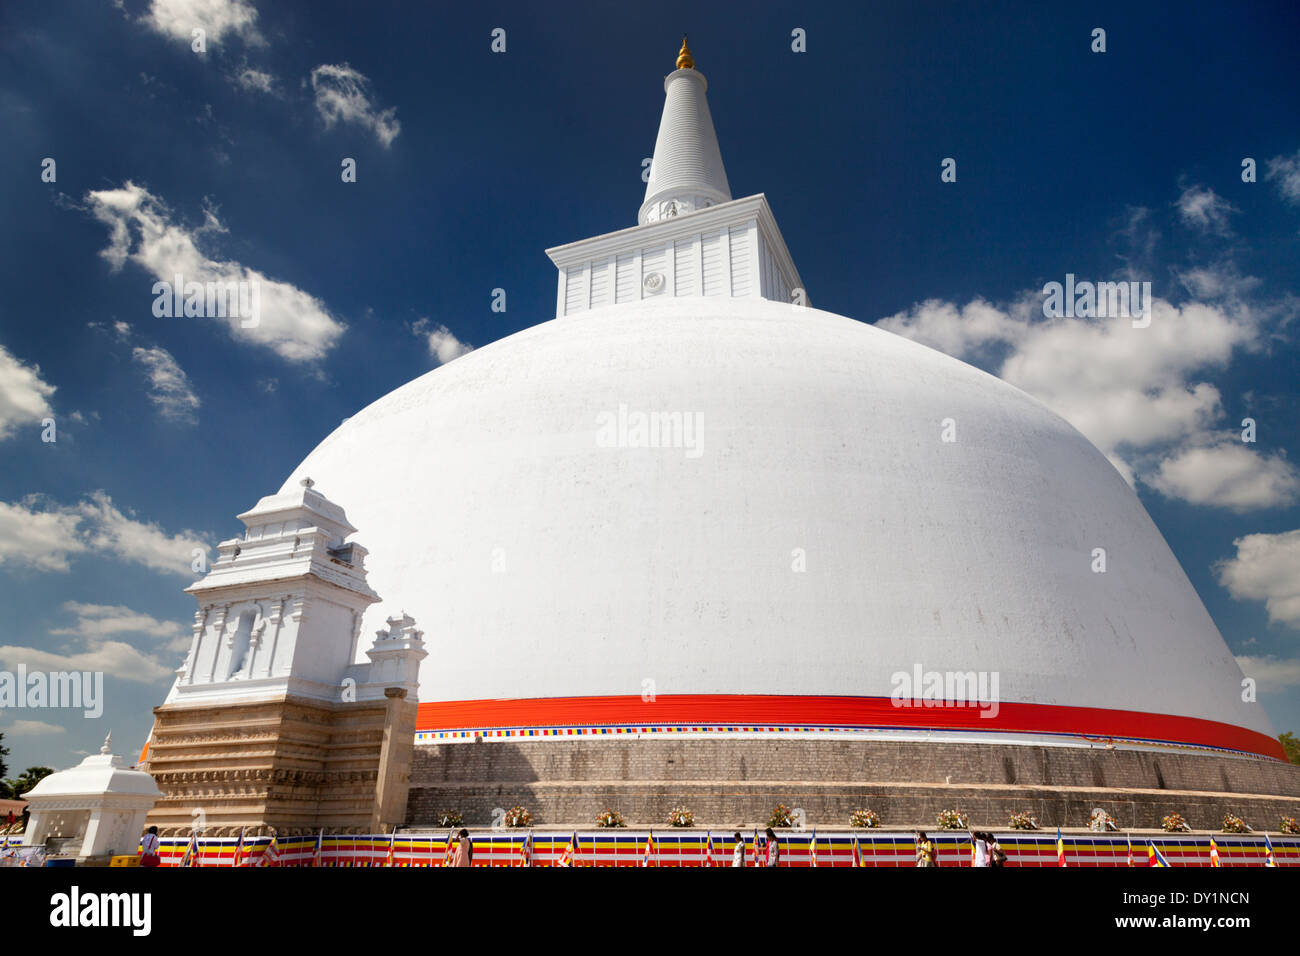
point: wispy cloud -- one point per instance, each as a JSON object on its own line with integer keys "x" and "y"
{"x": 32, "y": 728}
{"x": 294, "y": 324}
{"x": 104, "y": 620}
{"x": 41, "y": 535}
{"x": 443, "y": 344}
{"x": 1285, "y": 171}
{"x": 24, "y": 395}
{"x": 113, "y": 658}
{"x": 253, "y": 80}
{"x": 169, "y": 386}
{"x": 1205, "y": 210}
{"x": 1273, "y": 672}
{"x": 343, "y": 96}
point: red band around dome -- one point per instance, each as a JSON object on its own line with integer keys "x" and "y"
{"x": 752, "y": 712}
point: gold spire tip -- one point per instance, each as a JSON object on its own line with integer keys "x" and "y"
{"x": 684, "y": 59}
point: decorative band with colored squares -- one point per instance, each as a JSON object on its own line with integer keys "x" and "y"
{"x": 678, "y": 847}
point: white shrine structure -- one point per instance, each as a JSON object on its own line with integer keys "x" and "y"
{"x": 94, "y": 810}
{"x": 270, "y": 722}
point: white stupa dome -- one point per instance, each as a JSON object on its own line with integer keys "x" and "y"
{"x": 544, "y": 565}
{"x": 795, "y": 537}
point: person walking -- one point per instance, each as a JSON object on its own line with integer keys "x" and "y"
{"x": 464, "y": 850}
{"x": 773, "y": 849}
{"x": 738, "y": 851}
{"x": 980, "y": 849}
{"x": 149, "y": 847}
{"x": 927, "y": 854}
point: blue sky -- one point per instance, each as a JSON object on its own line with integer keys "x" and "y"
{"x": 1122, "y": 164}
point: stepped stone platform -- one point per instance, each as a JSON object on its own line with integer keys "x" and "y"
{"x": 732, "y": 781}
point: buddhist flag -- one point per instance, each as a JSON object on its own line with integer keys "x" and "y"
{"x": 1130, "y": 849}
{"x": 526, "y": 851}
{"x": 1155, "y": 857}
{"x": 649, "y": 849}
{"x": 570, "y": 851}
{"x": 754, "y": 847}
{"x": 1268, "y": 852}
{"x": 1214, "y": 853}
{"x": 708, "y": 849}
{"x": 272, "y": 855}
{"x": 451, "y": 848}
{"x": 392, "y": 848}
{"x": 857, "y": 853}
{"x": 239, "y": 850}
{"x": 1060, "y": 848}
{"x": 320, "y": 848}
{"x": 812, "y": 848}
{"x": 191, "y": 855}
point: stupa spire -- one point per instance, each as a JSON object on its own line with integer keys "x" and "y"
{"x": 686, "y": 173}
{"x": 684, "y": 59}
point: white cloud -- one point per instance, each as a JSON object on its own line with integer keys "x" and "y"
{"x": 1271, "y": 671}
{"x": 44, "y": 536}
{"x": 343, "y": 96}
{"x": 1118, "y": 385}
{"x": 113, "y": 658}
{"x": 102, "y": 620}
{"x": 179, "y": 18}
{"x": 32, "y": 728}
{"x": 1229, "y": 475}
{"x": 139, "y": 542}
{"x": 169, "y": 386}
{"x": 1138, "y": 394}
{"x": 24, "y": 397}
{"x": 1205, "y": 210}
{"x": 43, "y": 540}
{"x": 1266, "y": 568}
{"x": 443, "y": 345}
{"x": 1286, "y": 170}
{"x": 292, "y": 323}
{"x": 252, "y": 80}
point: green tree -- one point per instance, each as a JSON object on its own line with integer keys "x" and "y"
{"x": 1291, "y": 744}
{"x": 26, "y": 780}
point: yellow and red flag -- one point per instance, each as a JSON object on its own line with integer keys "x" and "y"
{"x": 1214, "y": 853}
{"x": 649, "y": 849}
{"x": 566, "y": 858}
{"x": 271, "y": 856}
{"x": 451, "y": 848}
{"x": 1155, "y": 857}
{"x": 1060, "y": 848}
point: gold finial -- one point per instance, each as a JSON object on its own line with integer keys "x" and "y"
{"x": 684, "y": 59}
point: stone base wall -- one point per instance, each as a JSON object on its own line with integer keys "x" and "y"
{"x": 731, "y": 782}
{"x": 293, "y": 764}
